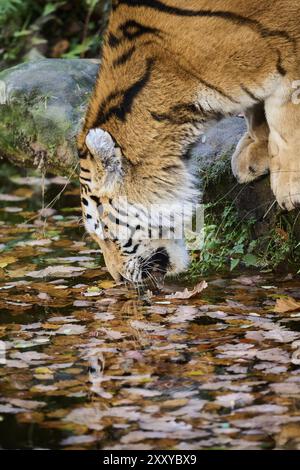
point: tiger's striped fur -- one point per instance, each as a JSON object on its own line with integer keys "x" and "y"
{"x": 170, "y": 68}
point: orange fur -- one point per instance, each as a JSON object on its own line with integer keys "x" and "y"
{"x": 171, "y": 67}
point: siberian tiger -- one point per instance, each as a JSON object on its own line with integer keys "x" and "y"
{"x": 169, "y": 69}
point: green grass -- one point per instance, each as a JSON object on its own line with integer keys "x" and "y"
{"x": 229, "y": 243}
{"x": 230, "y": 239}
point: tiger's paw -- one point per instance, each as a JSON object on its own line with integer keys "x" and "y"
{"x": 250, "y": 160}
{"x": 285, "y": 184}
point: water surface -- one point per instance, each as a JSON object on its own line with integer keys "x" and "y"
{"x": 88, "y": 365}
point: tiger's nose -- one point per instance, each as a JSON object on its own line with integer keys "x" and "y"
{"x": 157, "y": 265}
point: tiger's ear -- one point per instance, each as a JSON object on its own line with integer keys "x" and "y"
{"x": 108, "y": 159}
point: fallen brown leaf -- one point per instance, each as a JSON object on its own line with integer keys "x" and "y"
{"x": 57, "y": 271}
{"x": 186, "y": 294}
{"x": 286, "y": 304}
{"x": 6, "y": 260}
{"x": 107, "y": 284}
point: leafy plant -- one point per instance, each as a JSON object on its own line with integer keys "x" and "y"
{"x": 230, "y": 244}
{"x": 8, "y": 7}
{"x": 57, "y": 28}
{"x": 226, "y": 244}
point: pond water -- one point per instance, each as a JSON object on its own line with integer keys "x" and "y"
{"x": 85, "y": 364}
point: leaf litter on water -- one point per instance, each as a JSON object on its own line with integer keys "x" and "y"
{"x": 93, "y": 366}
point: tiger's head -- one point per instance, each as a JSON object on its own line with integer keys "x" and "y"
{"x": 137, "y": 220}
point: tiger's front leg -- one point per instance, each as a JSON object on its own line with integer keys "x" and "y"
{"x": 251, "y": 158}
{"x": 283, "y": 116}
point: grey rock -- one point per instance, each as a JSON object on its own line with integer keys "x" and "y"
{"x": 41, "y": 107}
{"x": 220, "y": 139}
{"x": 213, "y": 152}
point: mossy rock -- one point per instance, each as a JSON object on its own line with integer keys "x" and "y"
{"x": 41, "y": 107}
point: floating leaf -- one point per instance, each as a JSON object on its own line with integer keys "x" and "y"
{"x": 11, "y": 198}
{"x": 231, "y": 400}
{"x": 107, "y": 284}
{"x": 186, "y": 294}
{"x": 57, "y": 271}
{"x": 71, "y": 330}
{"x": 286, "y": 304}
{"x": 6, "y": 260}
{"x": 27, "y": 404}
{"x": 43, "y": 371}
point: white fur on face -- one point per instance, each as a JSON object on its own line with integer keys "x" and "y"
{"x": 108, "y": 158}
{"x": 100, "y": 144}
{"x": 132, "y": 269}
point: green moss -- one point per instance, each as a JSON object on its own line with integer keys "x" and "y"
{"x": 14, "y": 130}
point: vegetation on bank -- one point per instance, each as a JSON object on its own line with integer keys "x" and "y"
{"x": 59, "y": 29}
{"x": 230, "y": 237}
{"x": 229, "y": 244}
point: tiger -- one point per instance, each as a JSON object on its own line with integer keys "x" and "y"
{"x": 169, "y": 70}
